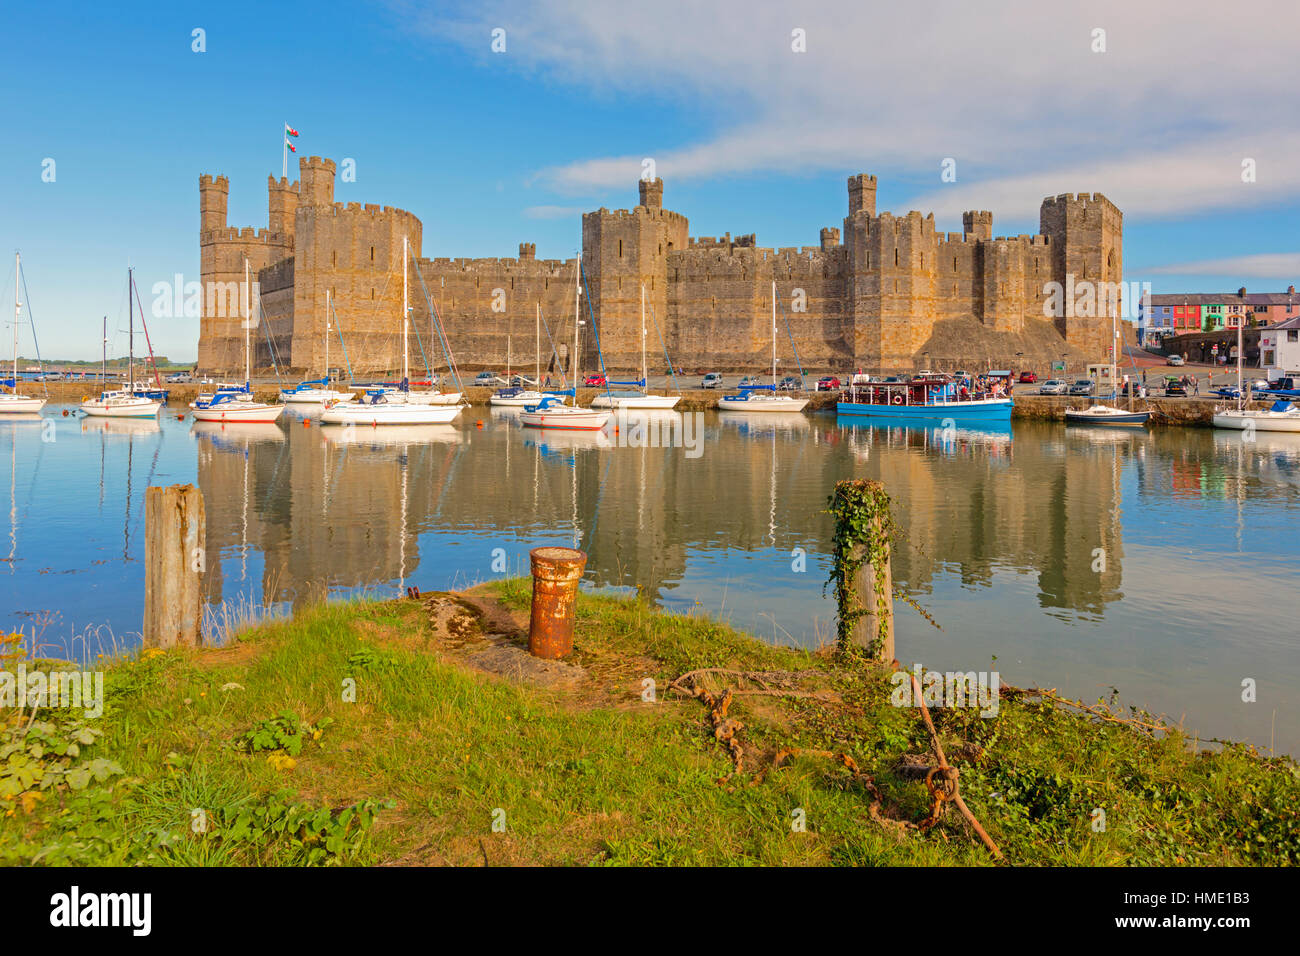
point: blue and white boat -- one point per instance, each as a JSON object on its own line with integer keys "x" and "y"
{"x": 933, "y": 398}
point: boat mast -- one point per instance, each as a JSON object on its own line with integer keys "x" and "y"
{"x": 1241, "y": 394}
{"x": 645, "y": 379}
{"x": 17, "y": 310}
{"x": 577, "y": 288}
{"x": 130, "y": 333}
{"x": 774, "y": 336}
{"x": 538, "y": 323}
{"x": 327, "y": 338}
{"x": 248, "y": 320}
{"x": 406, "y": 374}
{"x": 103, "y": 361}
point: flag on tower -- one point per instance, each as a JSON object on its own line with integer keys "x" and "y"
{"x": 290, "y": 145}
{"x": 289, "y": 130}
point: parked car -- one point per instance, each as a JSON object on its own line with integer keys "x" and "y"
{"x": 1054, "y": 386}
{"x": 594, "y": 380}
{"x": 1175, "y": 388}
{"x": 180, "y": 377}
{"x": 1175, "y": 360}
{"x": 518, "y": 381}
{"x": 1137, "y": 389}
{"x": 827, "y": 383}
{"x": 961, "y": 373}
{"x": 1028, "y": 378}
{"x": 791, "y": 383}
{"x": 712, "y": 380}
{"x": 1083, "y": 386}
{"x": 488, "y": 379}
{"x": 750, "y": 381}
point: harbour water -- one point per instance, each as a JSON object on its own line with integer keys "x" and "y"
{"x": 1162, "y": 563}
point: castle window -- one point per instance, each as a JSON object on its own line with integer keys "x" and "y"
{"x": 620, "y": 248}
{"x": 954, "y": 263}
{"x": 372, "y": 293}
{"x": 372, "y": 253}
{"x": 335, "y": 258}
{"x": 895, "y": 255}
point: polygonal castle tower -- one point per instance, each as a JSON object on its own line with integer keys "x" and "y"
{"x": 886, "y": 292}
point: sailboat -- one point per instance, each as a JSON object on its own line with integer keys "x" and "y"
{"x": 317, "y": 391}
{"x": 11, "y": 403}
{"x": 1281, "y": 416}
{"x": 759, "y": 398}
{"x": 237, "y": 406}
{"x": 641, "y": 398}
{"x": 550, "y": 411}
{"x": 122, "y": 403}
{"x": 516, "y": 396}
{"x": 1106, "y": 414}
{"x": 429, "y": 396}
{"x": 382, "y": 405}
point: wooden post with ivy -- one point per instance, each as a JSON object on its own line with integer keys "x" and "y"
{"x": 864, "y": 585}
{"x": 174, "y": 538}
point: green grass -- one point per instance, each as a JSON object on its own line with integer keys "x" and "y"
{"x": 594, "y": 775}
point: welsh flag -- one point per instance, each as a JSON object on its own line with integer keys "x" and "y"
{"x": 290, "y": 145}
{"x": 289, "y": 130}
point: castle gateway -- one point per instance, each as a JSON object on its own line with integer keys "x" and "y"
{"x": 885, "y": 293}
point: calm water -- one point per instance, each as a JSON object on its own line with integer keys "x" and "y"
{"x": 1201, "y": 534}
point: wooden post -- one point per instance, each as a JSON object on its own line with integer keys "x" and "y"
{"x": 861, "y": 510}
{"x": 175, "y": 531}
{"x": 867, "y": 628}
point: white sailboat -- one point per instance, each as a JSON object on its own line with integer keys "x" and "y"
{"x": 550, "y": 411}
{"x": 237, "y": 407}
{"x": 1281, "y": 416}
{"x": 122, "y": 403}
{"x": 11, "y": 403}
{"x": 317, "y": 391}
{"x": 760, "y": 399}
{"x": 518, "y": 397}
{"x": 641, "y": 398}
{"x": 429, "y": 396}
{"x": 383, "y": 406}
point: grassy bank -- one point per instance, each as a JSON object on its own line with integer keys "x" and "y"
{"x": 255, "y": 753}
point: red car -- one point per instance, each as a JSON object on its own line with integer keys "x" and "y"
{"x": 1028, "y": 378}
{"x": 595, "y": 380}
{"x": 827, "y": 383}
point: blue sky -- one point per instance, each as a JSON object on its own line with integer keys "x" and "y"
{"x": 491, "y": 149}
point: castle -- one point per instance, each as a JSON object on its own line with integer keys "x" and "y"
{"x": 886, "y": 292}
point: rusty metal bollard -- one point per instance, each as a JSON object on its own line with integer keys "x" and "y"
{"x": 556, "y": 572}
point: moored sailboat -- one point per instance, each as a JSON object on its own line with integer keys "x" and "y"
{"x": 127, "y": 402}
{"x": 763, "y": 398}
{"x": 237, "y": 406}
{"x": 641, "y": 398}
{"x": 317, "y": 391}
{"x": 1281, "y": 416}
{"x": 1106, "y": 414}
{"x": 12, "y": 403}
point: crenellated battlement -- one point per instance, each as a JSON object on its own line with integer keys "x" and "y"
{"x": 874, "y": 293}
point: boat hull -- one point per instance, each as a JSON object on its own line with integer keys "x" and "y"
{"x": 566, "y": 419}
{"x": 433, "y": 398}
{"x": 20, "y": 405}
{"x": 243, "y": 413}
{"x": 661, "y": 402}
{"x": 315, "y": 396}
{"x": 1263, "y": 421}
{"x": 979, "y": 410}
{"x": 128, "y": 409}
{"x": 389, "y": 414}
{"x": 761, "y": 405}
{"x": 1107, "y": 417}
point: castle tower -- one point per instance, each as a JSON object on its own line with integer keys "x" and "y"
{"x": 214, "y": 195}
{"x": 978, "y": 224}
{"x": 1086, "y": 240}
{"x": 621, "y": 251}
{"x": 281, "y": 204}
{"x": 830, "y": 238}
{"x": 527, "y": 250}
{"x": 862, "y": 194}
{"x": 652, "y": 193}
{"x": 317, "y": 181}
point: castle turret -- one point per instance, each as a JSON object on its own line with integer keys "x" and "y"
{"x": 1085, "y": 234}
{"x": 830, "y": 238}
{"x": 214, "y": 194}
{"x": 652, "y": 193}
{"x": 862, "y": 194}
{"x": 317, "y": 181}
{"x": 977, "y": 224}
{"x": 281, "y": 204}
{"x": 527, "y": 250}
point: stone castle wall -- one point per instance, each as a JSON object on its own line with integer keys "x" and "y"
{"x": 888, "y": 292}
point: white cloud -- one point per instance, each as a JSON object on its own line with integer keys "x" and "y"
{"x": 1160, "y": 122}
{"x": 1269, "y": 265}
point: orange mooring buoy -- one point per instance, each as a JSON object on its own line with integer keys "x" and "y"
{"x": 479, "y": 423}
{"x": 65, "y": 413}
{"x": 306, "y": 423}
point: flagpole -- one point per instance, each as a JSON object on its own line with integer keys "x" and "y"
{"x": 284, "y": 151}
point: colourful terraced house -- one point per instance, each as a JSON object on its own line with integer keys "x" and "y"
{"x": 1178, "y": 313}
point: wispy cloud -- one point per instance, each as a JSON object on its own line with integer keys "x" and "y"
{"x": 1269, "y": 265}
{"x": 1017, "y": 97}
